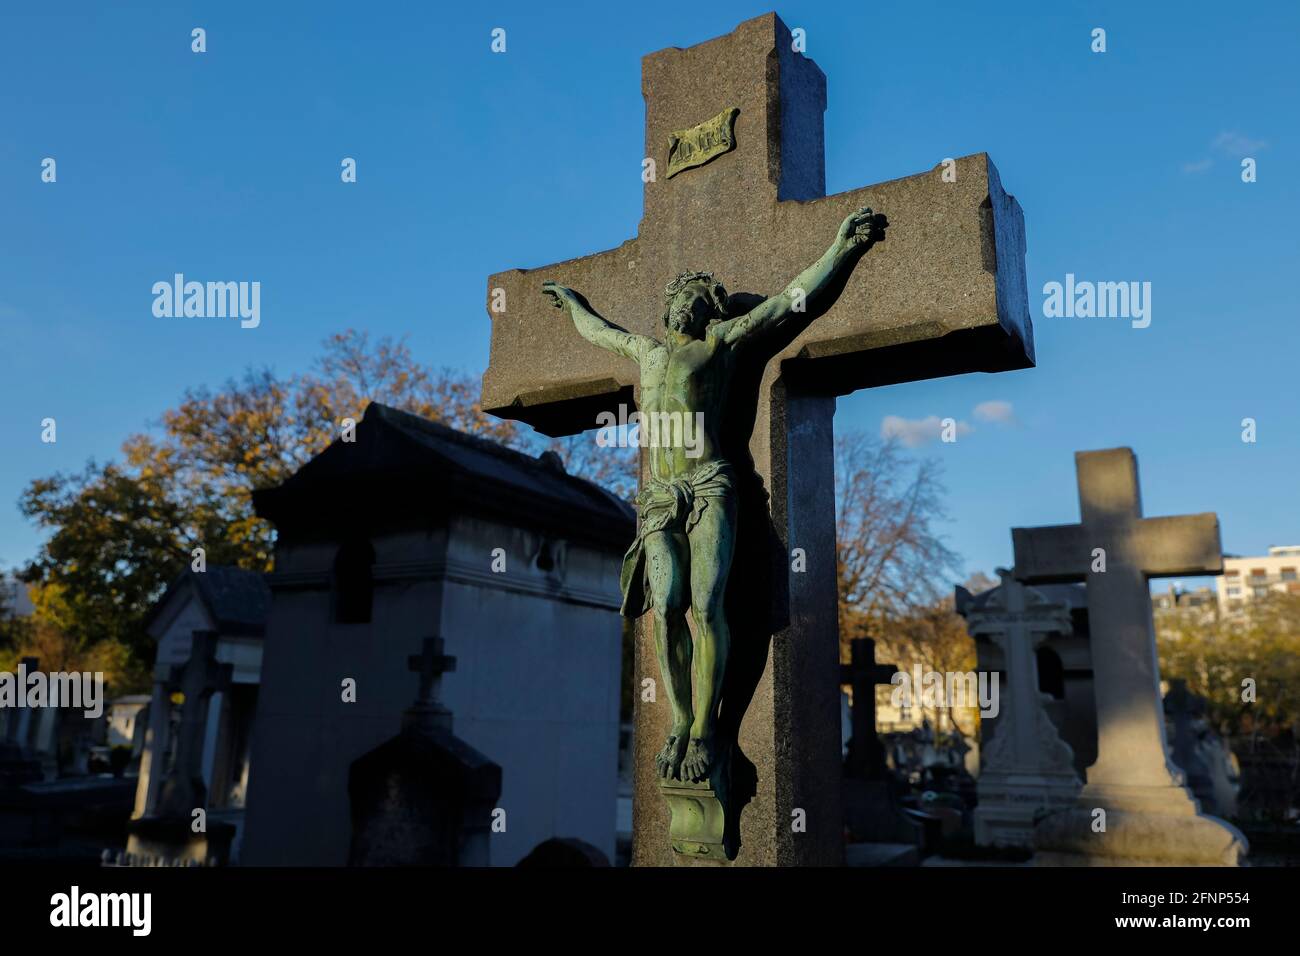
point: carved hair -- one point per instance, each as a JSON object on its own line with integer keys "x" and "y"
{"x": 717, "y": 293}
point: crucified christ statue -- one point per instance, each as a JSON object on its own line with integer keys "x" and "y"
{"x": 682, "y": 553}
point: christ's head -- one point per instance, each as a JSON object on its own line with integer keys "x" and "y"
{"x": 692, "y": 301}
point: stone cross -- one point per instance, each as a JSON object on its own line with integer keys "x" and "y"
{"x": 1026, "y": 767}
{"x": 943, "y": 294}
{"x": 866, "y": 757}
{"x": 22, "y": 725}
{"x": 197, "y": 680}
{"x": 1117, "y": 551}
{"x": 428, "y": 714}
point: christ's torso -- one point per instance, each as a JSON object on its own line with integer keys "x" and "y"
{"x": 683, "y": 394}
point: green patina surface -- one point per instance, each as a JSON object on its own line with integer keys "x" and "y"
{"x": 678, "y": 565}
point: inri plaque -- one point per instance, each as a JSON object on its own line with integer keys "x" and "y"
{"x": 688, "y": 148}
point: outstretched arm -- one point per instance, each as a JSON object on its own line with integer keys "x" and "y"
{"x": 594, "y": 328}
{"x": 814, "y": 290}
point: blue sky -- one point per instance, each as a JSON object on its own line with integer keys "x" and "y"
{"x": 225, "y": 165}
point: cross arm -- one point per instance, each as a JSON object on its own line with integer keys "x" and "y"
{"x": 813, "y": 291}
{"x": 1055, "y": 620}
{"x": 944, "y": 294}
{"x": 1180, "y": 544}
{"x": 1054, "y": 554}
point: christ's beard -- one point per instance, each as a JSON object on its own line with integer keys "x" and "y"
{"x": 685, "y": 323}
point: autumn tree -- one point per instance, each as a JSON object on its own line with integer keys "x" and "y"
{"x": 895, "y": 572}
{"x": 119, "y": 532}
{"x": 934, "y": 637}
{"x": 892, "y": 561}
{"x": 1221, "y": 657}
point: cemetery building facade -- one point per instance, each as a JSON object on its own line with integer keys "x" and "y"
{"x": 233, "y": 603}
{"x": 414, "y": 531}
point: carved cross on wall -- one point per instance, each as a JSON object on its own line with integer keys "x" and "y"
{"x": 431, "y": 663}
{"x": 943, "y": 294}
{"x": 428, "y": 713}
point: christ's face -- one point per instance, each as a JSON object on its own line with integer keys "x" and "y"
{"x": 692, "y": 310}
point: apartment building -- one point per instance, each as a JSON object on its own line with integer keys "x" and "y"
{"x": 1245, "y": 579}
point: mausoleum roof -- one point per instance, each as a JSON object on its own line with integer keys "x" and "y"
{"x": 402, "y": 467}
{"x": 236, "y": 600}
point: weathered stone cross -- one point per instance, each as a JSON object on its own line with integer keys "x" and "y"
{"x": 198, "y": 679}
{"x": 1020, "y": 621}
{"x": 1131, "y": 749}
{"x": 1151, "y": 818}
{"x": 1026, "y": 768}
{"x": 866, "y": 757}
{"x": 942, "y": 295}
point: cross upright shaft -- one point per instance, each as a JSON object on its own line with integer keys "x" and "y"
{"x": 866, "y": 755}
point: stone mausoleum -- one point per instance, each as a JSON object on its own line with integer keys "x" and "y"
{"x": 415, "y": 530}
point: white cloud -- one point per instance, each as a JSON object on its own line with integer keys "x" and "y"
{"x": 1232, "y": 143}
{"x": 995, "y": 411}
{"x": 1228, "y": 143}
{"x": 914, "y": 432}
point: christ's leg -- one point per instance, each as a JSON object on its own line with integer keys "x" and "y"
{"x": 712, "y": 542}
{"x": 665, "y": 566}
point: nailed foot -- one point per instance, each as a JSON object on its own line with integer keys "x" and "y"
{"x": 699, "y": 760}
{"x": 670, "y": 758}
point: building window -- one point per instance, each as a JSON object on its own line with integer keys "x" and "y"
{"x": 1288, "y": 574}
{"x": 1232, "y": 573}
{"x": 1261, "y": 592}
{"x": 1234, "y": 592}
{"x": 354, "y": 583}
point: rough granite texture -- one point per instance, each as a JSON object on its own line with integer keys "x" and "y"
{"x": 943, "y": 294}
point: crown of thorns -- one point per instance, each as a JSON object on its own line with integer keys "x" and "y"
{"x": 679, "y": 282}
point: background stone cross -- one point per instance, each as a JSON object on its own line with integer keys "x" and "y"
{"x": 866, "y": 756}
{"x": 197, "y": 680}
{"x": 1131, "y": 746}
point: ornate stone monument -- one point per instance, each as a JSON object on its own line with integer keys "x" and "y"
{"x": 1026, "y": 770}
{"x": 171, "y": 833}
{"x": 1135, "y": 808}
{"x": 737, "y": 122}
{"x": 18, "y": 765}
